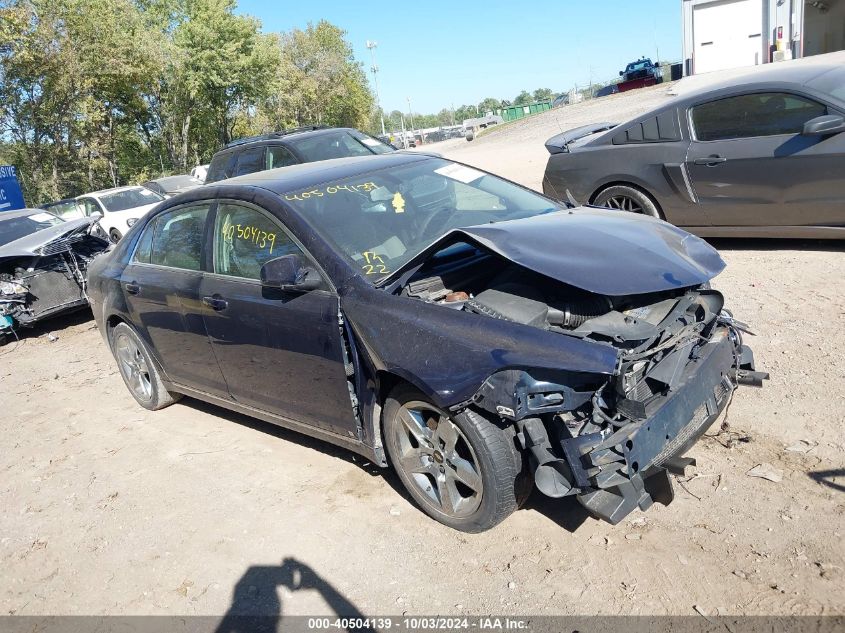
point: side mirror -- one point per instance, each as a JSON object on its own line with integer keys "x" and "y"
{"x": 824, "y": 125}
{"x": 288, "y": 273}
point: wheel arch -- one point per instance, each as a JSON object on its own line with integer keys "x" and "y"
{"x": 114, "y": 319}
{"x": 385, "y": 383}
{"x": 112, "y": 322}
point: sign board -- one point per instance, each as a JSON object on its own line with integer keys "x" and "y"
{"x": 11, "y": 197}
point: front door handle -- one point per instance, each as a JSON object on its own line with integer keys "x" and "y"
{"x": 215, "y": 303}
{"x": 710, "y": 161}
{"x": 132, "y": 288}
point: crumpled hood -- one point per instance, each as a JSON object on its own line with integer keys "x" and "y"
{"x": 608, "y": 252}
{"x": 30, "y": 245}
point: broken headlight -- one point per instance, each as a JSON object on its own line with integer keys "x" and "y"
{"x": 11, "y": 288}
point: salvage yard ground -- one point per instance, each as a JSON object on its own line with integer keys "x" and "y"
{"x": 111, "y": 509}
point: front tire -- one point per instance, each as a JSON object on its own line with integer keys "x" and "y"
{"x": 138, "y": 370}
{"x": 625, "y": 198}
{"x": 461, "y": 469}
{"x": 115, "y": 236}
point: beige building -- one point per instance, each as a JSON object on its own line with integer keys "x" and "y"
{"x": 721, "y": 34}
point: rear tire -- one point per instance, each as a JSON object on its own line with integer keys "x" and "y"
{"x": 625, "y": 198}
{"x": 138, "y": 370}
{"x": 462, "y": 469}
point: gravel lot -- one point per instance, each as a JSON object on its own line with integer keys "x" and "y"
{"x": 111, "y": 509}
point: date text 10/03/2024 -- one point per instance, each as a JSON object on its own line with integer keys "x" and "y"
{"x": 419, "y": 624}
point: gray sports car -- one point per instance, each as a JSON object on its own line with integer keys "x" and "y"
{"x": 761, "y": 155}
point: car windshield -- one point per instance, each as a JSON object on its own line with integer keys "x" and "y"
{"x": 383, "y": 218}
{"x": 12, "y": 229}
{"x": 129, "y": 199}
{"x": 638, "y": 66}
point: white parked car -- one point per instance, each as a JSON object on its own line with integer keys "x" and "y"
{"x": 200, "y": 172}
{"x": 120, "y": 207}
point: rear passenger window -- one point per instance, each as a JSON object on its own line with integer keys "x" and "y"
{"x": 747, "y": 116}
{"x": 279, "y": 156}
{"x": 250, "y": 161}
{"x": 221, "y": 167}
{"x": 244, "y": 239}
{"x": 176, "y": 238}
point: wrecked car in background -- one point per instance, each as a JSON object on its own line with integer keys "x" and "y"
{"x": 476, "y": 335}
{"x": 44, "y": 265}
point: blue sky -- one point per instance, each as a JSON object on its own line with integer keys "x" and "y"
{"x": 442, "y": 53}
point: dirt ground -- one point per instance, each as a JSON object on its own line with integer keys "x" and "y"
{"x": 110, "y": 509}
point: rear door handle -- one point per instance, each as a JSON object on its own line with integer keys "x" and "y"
{"x": 710, "y": 161}
{"x": 132, "y": 288}
{"x": 215, "y": 303}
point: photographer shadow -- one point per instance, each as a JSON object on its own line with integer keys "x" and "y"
{"x": 256, "y": 606}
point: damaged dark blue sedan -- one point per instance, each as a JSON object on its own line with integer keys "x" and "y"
{"x": 476, "y": 335}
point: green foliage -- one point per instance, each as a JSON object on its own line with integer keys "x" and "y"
{"x": 317, "y": 82}
{"x": 97, "y": 93}
{"x": 489, "y": 105}
{"x": 542, "y": 94}
{"x": 465, "y": 112}
{"x": 523, "y": 97}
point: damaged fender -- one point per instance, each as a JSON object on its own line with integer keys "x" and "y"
{"x": 445, "y": 353}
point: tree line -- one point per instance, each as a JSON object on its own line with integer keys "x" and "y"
{"x": 447, "y": 116}
{"x": 99, "y": 93}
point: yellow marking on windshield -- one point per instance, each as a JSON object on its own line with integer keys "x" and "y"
{"x": 364, "y": 187}
{"x": 398, "y": 202}
{"x": 374, "y": 264}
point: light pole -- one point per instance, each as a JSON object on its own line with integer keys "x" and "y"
{"x": 411, "y": 116}
{"x": 372, "y": 46}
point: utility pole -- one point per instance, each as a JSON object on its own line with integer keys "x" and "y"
{"x": 372, "y": 46}
{"x": 404, "y": 136}
{"x": 411, "y": 117}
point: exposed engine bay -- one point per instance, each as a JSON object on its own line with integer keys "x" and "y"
{"x": 610, "y": 439}
{"x": 48, "y": 279}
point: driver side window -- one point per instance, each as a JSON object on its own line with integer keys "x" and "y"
{"x": 245, "y": 239}
{"x": 753, "y": 115}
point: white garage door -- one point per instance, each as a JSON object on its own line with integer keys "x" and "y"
{"x": 727, "y": 34}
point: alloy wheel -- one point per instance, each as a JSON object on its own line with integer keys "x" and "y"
{"x": 134, "y": 367}
{"x": 438, "y": 460}
{"x": 623, "y": 203}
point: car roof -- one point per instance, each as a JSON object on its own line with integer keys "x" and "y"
{"x": 296, "y": 177}
{"x": 178, "y": 178}
{"x": 277, "y": 137}
{"x": 103, "y": 192}
{"x": 799, "y": 72}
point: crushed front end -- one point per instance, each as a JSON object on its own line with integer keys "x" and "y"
{"x": 48, "y": 279}
{"x": 612, "y": 442}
